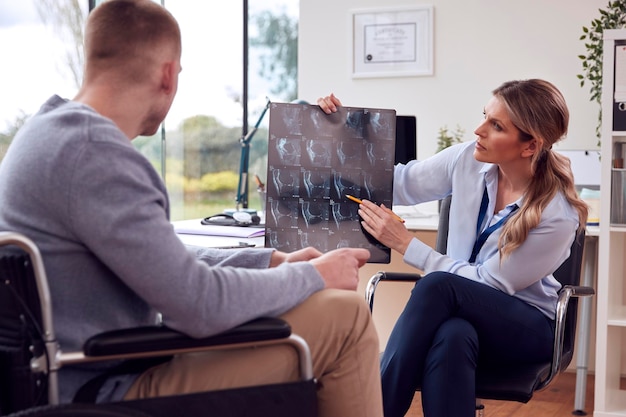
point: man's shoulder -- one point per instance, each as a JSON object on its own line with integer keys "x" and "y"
{"x": 77, "y": 121}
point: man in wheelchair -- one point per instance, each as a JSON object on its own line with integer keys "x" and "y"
{"x": 99, "y": 213}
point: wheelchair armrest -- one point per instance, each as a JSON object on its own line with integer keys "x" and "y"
{"x": 161, "y": 338}
{"x": 370, "y": 289}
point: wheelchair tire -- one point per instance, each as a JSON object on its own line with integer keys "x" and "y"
{"x": 81, "y": 410}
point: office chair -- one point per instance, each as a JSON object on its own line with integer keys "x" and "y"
{"x": 516, "y": 382}
{"x": 30, "y": 356}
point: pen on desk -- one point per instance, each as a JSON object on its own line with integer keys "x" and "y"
{"x": 356, "y": 200}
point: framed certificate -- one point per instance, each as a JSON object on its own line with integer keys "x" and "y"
{"x": 392, "y": 42}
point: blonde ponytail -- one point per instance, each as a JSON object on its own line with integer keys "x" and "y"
{"x": 538, "y": 110}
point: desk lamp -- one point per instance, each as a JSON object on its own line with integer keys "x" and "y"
{"x": 242, "y": 189}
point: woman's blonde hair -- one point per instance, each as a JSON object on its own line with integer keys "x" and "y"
{"x": 537, "y": 108}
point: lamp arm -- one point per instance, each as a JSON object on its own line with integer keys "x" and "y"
{"x": 242, "y": 188}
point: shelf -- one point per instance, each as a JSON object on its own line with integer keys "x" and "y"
{"x": 617, "y": 322}
{"x": 617, "y": 316}
{"x": 615, "y": 413}
{"x": 610, "y": 398}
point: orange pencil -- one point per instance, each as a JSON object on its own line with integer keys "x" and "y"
{"x": 356, "y": 200}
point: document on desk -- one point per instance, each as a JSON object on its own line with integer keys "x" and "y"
{"x": 194, "y": 227}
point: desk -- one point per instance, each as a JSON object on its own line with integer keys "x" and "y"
{"x": 192, "y": 232}
{"x": 220, "y": 241}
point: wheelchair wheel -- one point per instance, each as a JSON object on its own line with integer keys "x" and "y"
{"x": 81, "y": 410}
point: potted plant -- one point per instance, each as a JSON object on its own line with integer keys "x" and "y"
{"x": 612, "y": 17}
{"x": 447, "y": 138}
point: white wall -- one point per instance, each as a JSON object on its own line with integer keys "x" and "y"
{"x": 478, "y": 44}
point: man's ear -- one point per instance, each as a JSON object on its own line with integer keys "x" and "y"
{"x": 168, "y": 77}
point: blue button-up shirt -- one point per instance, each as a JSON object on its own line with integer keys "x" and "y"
{"x": 527, "y": 272}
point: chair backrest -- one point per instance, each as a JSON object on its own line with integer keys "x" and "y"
{"x": 20, "y": 332}
{"x": 441, "y": 244}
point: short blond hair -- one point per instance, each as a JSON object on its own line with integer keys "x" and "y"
{"x": 127, "y": 35}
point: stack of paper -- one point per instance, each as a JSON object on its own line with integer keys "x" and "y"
{"x": 195, "y": 227}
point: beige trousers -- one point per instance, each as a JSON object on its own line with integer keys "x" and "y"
{"x": 338, "y": 327}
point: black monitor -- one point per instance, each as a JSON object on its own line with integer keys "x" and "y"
{"x": 406, "y": 139}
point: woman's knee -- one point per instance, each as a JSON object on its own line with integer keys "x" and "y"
{"x": 432, "y": 284}
{"x": 457, "y": 333}
{"x": 457, "y": 339}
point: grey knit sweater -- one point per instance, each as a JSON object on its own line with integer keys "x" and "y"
{"x": 99, "y": 212}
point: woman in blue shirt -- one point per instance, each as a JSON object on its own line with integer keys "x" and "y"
{"x": 513, "y": 217}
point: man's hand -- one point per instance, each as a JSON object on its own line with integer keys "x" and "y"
{"x": 340, "y": 268}
{"x": 305, "y": 254}
{"x": 329, "y": 103}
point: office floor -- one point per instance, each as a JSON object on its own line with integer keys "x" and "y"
{"x": 556, "y": 401}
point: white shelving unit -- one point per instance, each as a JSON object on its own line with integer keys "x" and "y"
{"x": 610, "y": 400}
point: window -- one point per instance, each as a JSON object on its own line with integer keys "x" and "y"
{"x": 40, "y": 60}
{"x": 198, "y": 148}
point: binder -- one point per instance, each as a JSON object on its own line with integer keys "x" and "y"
{"x": 619, "y": 95}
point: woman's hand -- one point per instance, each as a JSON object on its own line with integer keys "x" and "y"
{"x": 383, "y": 224}
{"x": 329, "y": 103}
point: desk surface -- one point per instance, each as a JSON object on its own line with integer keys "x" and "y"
{"x": 221, "y": 241}
{"x": 415, "y": 222}
{"x": 197, "y": 237}
{"x": 416, "y": 219}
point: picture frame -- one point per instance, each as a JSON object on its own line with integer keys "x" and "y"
{"x": 392, "y": 42}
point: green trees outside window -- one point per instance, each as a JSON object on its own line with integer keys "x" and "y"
{"x": 197, "y": 151}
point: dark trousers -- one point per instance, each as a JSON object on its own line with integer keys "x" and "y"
{"x": 449, "y": 325}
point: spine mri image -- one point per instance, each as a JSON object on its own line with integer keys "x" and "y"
{"x": 314, "y": 161}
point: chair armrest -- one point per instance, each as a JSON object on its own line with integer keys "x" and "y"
{"x": 580, "y": 290}
{"x": 565, "y": 293}
{"x": 161, "y": 338}
{"x": 370, "y": 289}
{"x": 399, "y": 276}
